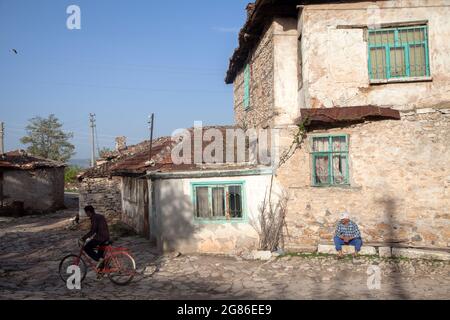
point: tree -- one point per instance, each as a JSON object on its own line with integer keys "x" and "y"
{"x": 47, "y": 139}
{"x": 71, "y": 173}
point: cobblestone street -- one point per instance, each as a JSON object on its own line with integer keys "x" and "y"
{"x": 31, "y": 248}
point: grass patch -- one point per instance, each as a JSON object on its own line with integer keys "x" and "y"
{"x": 306, "y": 255}
{"x": 347, "y": 257}
{"x": 397, "y": 259}
{"x": 371, "y": 257}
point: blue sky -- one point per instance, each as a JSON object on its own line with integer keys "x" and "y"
{"x": 129, "y": 59}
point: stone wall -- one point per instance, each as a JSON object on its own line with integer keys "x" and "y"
{"x": 399, "y": 190}
{"x": 273, "y": 85}
{"x": 41, "y": 190}
{"x": 104, "y": 194}
{"x": 399, "y": 170}
{"x": 261, "y": 86}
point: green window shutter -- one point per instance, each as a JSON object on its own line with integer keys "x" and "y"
{"x": 398, "y": 53}
{"x": 220, "y": 202}
{"x": 330, "y": 165}
{"x": 247, "y": 77}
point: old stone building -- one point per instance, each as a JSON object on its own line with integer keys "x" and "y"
{"x": 369, "y": 82}
{"x": 99, "y": 187}
{"x": 358, "y": 92}
{"x": 188, "y": 207}
{"x": 30, "y": 184}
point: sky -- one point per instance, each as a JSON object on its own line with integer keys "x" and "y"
{"x": 130, "y": 58}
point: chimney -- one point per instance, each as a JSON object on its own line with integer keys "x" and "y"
{"x": 250, "y": 9}
{"x": 121, "y": 143}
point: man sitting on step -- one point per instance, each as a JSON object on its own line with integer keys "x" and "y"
{"x": 347, "y": 233}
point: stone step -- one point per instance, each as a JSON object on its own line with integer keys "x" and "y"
{"x": 387, "y": 252}
{"x": 330, "y": 249}
{"x": 421, "y": 254}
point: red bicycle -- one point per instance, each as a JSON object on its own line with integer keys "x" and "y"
{"x": 119, "y": 265}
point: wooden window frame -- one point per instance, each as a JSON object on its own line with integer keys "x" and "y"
{"x": 247, "y": 83}
{"x": 403, "y": 45}
{"x": 219, "y": 219}
{"x": 330, "y": 153}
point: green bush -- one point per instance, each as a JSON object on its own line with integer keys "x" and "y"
{"x": 70, "y": 174}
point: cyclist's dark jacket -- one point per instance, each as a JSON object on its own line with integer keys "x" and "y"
{"x": 99, "y": 227}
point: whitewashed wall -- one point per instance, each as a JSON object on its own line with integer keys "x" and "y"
{"x": 179, "y": 231}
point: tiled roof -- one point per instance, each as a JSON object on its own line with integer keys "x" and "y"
{"x": 139, "y": 164}
{"x": 119, "y": 159}
{"x": 259, "y": 14}
{"x": 20, "y": 160}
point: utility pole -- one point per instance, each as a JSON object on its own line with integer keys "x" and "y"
{"x": 2, "y": 138}
{"x": 2, "y": 151}
{"x": 151, "y": 120}
{"x": 92, "y": 125}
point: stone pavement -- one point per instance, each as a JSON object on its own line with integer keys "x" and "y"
{"x": 31, "y": 248}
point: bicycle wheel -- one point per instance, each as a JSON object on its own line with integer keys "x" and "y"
{"x": 121, "y": 268}
{"x": 72, "y": 260}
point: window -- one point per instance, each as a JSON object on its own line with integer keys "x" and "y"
{"x": 247, "y": 76}
{"x": 218, "y": 201}
{"x": 330, "y": 160}
{"x": 398, "y": 53}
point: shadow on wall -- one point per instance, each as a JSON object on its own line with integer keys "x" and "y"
{"x": 173, "y": 219}
{"x": 40, "y": 191}
{"x": 390, "y": 213}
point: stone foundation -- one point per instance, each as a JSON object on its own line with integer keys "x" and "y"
{"x": 388, "y": 252}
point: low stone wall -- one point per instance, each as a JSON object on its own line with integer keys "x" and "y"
{"x": 103, "y": 194}
{"x": 389, "y": 252}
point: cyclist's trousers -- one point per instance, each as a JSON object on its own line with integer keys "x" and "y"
{"x": 89, "y": 249}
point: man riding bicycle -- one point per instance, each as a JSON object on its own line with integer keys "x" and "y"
{"x": 100, "y": 233}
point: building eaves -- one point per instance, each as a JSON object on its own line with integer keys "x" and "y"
{"x": 21, "y": 160}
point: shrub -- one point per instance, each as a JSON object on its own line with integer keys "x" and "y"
{"x": 70, "y": 174}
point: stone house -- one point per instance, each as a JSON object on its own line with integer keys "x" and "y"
{"x": 366, "y": 86}
{"x": 205, "y": 206}
{"x": 360, "y": 89}
{"x": 99, "y": 187}
{"x": 30, "y": 184}
{"x": 191, "y": 207}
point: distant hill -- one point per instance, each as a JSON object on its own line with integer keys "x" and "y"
{"x": 82, "y": 163}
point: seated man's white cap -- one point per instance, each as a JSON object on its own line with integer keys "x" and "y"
{"x": 345, "y": 216}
